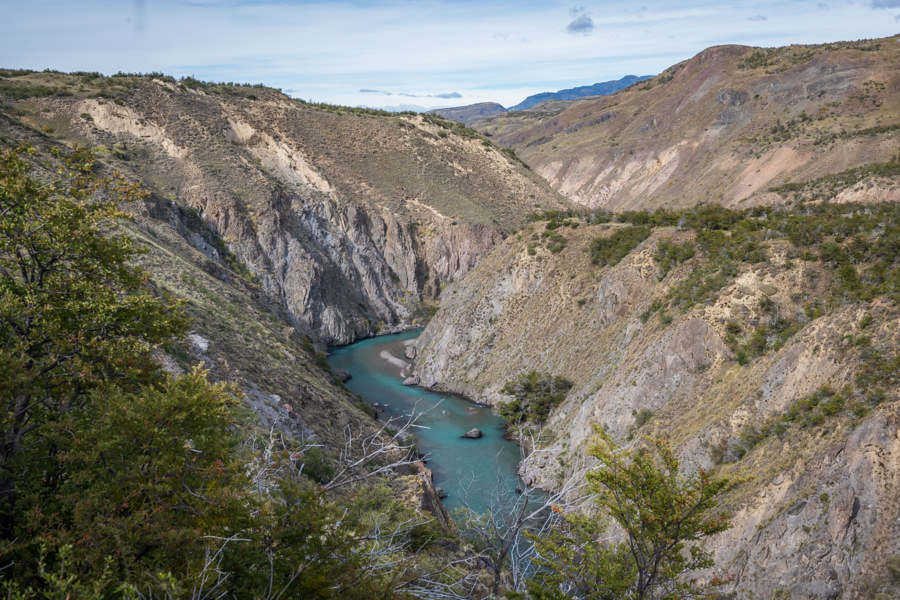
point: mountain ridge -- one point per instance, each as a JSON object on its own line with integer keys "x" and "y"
{"x": 354, "y": 219}
{"x": 473, "y": 113}
{"x": 723, "y": 126}
{"x": 595, "y": 89}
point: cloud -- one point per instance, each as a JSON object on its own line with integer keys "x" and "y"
{"x": 583, "y": 25}
{"x": 885, "y": 3}
{"x": 758, "y": 18}
{"x": 444, "y": 95}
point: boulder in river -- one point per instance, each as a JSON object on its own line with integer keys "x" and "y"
{"x": 343, "y": 375}
{"x": 411, "y": 380}
{"x": 472, "y": 434}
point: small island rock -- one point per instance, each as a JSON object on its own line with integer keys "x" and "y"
{"x": 472, "y": 434}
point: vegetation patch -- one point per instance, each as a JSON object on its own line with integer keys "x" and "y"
{"x": 612, "y": 249}
{"x": 534, "y": 394}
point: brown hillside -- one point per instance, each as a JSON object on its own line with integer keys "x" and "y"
{"x": 352, "y": 219}
{"x": 724, "y": 126}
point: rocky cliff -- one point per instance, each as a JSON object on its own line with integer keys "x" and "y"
{"x": 351, "y": 220}
{"x": 724, "y": 126}
{"x": 241, "y": 333}
{"x": 664, "y": 350}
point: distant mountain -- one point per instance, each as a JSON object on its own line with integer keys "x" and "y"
{"x": 471, "y": 113}
{"x": 467, "y": 115}
{"x": 597, "y": 89}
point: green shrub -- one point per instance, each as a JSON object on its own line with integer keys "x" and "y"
{"x": 612, "y": 249}
{"x": 534, "y": 394}
{"x": 671, "y": 254}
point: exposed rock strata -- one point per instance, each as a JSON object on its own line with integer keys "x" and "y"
{"x": 821, "y": 513}
{"x": 350, "y": 222}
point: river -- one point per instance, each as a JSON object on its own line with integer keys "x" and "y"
{"x": 470, "y": 472}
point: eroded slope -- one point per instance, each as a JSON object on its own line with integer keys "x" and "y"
{"x": 724, "y": 126}
{"x": 352, "y": 220}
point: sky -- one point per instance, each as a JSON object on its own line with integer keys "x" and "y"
{"x": 413, "y": 53}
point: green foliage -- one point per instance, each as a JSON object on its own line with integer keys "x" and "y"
{"x": 612, "y": 249}
{"x": 424, "y": 312}
{"x": 18, "y": 91}
{"x": 153, "y": 473}
{"x": 317, "y": 465}
{"x": 575, "y": 561}
{"x": 818, "y": 409}
{"x": 860, "y": 244}
{"x": 457, "y": 128}
{"x": 63, "y": 580}
{"x": 663, "y": 515}
{"x": 73, "y": 313}
{"x": 556, "y": 243}
{"x": 319, "y": 358}
{"x": 121, "y": 481}
{"x": 641, "y": 417}
{"x": 767, "y": 337}
{"x": 556, "y": 218}
{"x": 534, "y": 394}
{"x": 671, "y": 254}
{"x": 830, "y": 185}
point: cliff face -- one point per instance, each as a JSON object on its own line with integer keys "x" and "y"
{"x": 822, "y": 498}
{"x": 724, "y": 126}
{"x": 352, "y": 222}
{"x": 242, "y": 335}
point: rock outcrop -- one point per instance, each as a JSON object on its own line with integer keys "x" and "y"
{"x": 821, "y": 501}
{"x": 352, "y": 223}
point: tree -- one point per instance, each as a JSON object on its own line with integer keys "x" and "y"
{"x": 662, "y": 515}
{"x": 534, "y": 394}
{"x": 504, "y": 535}
{"x": 121, "y": 480}
{"x": 73, "y": 311}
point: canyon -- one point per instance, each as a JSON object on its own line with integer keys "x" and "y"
{"x": 287, "y": 227}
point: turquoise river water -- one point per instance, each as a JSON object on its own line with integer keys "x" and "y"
{"x": 470, "y": 471}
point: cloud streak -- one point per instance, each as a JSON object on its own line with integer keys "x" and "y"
{"x": 443, "y": 95}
